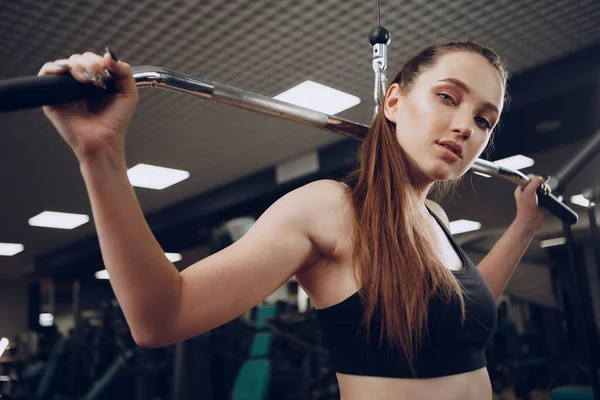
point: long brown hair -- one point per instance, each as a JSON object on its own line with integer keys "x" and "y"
{"x": 397, "y": 266}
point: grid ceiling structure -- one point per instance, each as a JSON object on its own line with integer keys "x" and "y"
{"x": 264, "y": 46}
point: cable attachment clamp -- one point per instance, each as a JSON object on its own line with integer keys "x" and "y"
{"x": 380, "y": 38}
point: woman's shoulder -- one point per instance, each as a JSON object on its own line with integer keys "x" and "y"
{"x": 330, "y": 280}
{"x": 331, "y": 211}
{"x": 326, "y": 186}
{"x": 318, "y": 202}
{"x": 322, "y": 194}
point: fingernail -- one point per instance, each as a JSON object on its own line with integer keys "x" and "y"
{"x": 86, "y": 75}
{"x": 109, "y": 75}
{"x": 113, "y": 55}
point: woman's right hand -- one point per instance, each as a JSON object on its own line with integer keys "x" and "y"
{"x": 89, "y": 126}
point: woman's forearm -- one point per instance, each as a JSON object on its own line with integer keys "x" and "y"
{"x": 501, "y": 262}
{"x": 145, "y": 282}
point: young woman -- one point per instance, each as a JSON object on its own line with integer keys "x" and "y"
{"x": 404, "y": 312}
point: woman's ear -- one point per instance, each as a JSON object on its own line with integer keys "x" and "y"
{"x": 391, "y": 102}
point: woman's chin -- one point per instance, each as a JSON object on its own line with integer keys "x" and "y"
{"x": 441, "y": 174}
{"x": 434, "y": 172}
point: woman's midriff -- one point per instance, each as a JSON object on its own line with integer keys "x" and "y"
{"x": 473, "y": 385}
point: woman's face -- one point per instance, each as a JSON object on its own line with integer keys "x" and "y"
{"x": 459, "y": 99}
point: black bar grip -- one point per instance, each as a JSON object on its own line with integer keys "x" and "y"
{"x": 556, "y": 207}
{"x": 37, "y": 91}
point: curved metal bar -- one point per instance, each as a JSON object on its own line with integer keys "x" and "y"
{"x": 493, "y": 169}
{"x": 36, "y": 91}
{"x": 56, "y": 89}
{"x": 164, "y": 78}
{"x": 151, "y": 76}
{"x": 31, "y": 92}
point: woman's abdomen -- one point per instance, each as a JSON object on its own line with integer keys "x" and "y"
{"x": 473, "y": 385}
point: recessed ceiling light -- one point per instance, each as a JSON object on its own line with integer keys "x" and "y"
{"x": 552, "y": 242}
{"x": 10, "y": 249}
{"x": 319, "y": 97}
{"x": 153, "y": 177}
{"x": 463, "y": 225}
{"x": 580, "y": 200}
{"x": 59, "y": 220}
{"x": 515, "y": 162}
{"x": 101, "y": 274}
{"x": 173, "y": 257}
{"x": 3, "y": 345}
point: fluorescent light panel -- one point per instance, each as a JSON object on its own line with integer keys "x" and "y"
{"x": 552, "y": 242}
{"x": 103, "y": 274}
{"x": 10, "y": 249}
{"x": 59, "y": 220}
{"x": 580, "y": 200}
{"x": 319, "y": 97}
{"x": 3, "y": 345}
{"x": 464, "y": 225}
{"x": 173, "y": 257}
{"x": 153, "y": 177}
{"x": 515, "y": 162}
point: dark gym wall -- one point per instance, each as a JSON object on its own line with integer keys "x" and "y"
{"x": 594, "y": 280}
{"x": 13, "y": 300}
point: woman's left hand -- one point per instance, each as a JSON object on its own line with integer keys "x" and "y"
{"x": 528, "y": 212}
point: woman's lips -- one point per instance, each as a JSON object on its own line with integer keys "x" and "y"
{"x": 449, "y": 154}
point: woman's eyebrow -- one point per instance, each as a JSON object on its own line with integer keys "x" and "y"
{"x": 466, "y": 89}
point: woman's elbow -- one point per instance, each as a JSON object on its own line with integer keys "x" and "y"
{"x": 150, "y": 340}
{"x": 160, "y": 338}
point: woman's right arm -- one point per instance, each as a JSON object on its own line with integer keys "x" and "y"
{"x": 161, "y": 305}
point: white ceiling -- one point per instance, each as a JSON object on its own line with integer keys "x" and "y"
{"x": 257, "y": 45}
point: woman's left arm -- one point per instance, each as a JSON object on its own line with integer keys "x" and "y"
{"x": 500, "y": 263}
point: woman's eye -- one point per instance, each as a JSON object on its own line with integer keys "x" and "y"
{"x": 483, "y": 122}
{"x": 446, "y": 97}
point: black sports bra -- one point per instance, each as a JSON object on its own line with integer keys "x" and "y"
{"x": 446, "y": 350}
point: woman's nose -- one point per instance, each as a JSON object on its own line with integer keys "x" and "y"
{"x": 464, "y": 131}
{"x": 463, "y": 126}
